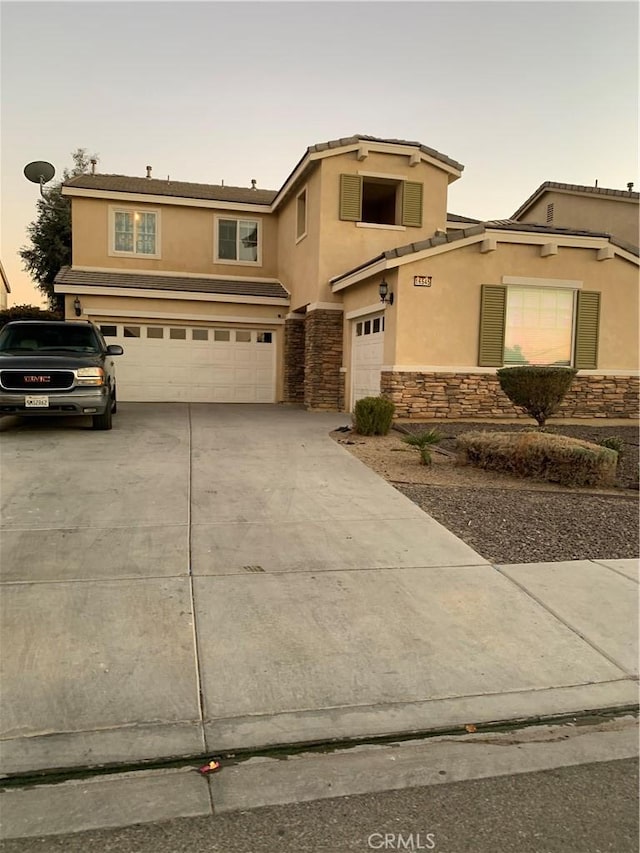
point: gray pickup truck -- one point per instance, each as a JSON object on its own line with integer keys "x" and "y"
{"x": 51, "y": 367}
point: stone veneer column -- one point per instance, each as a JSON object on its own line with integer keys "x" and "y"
{"x": 323, "y": 381}
{"x": 294, "y": 355}
{"x": 426, "y": 396}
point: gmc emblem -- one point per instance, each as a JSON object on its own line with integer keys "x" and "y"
{"x": 37, "y": 378}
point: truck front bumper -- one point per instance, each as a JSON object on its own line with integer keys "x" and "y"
{"x": 79, "y": 401}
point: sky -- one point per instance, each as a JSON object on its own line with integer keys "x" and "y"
{"x": 518, "y": 92}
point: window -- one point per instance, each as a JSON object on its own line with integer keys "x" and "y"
{"x": 264, "y": 337}
{"x": 538, "y": 325}
{"x": 109, "y": 331}
{"x": 380, "y": 200}
{"x": 178, "y": 334}
{"x": 237, "y": 241}
{"x": 243, "y": 337}
{"x": 134, "y": 232}
{"x": 358, "y": 329}
{"x": 376, "y": 324}
{"x": 132, "y": 331}
{"x": 200, "y": 335}
{"x": 301, "y": 215}
{"x": 155, "y": 332}
{"x": 221, "y": 335}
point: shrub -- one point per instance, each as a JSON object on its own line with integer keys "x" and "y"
{"x": 27, "y": 312}
{"x": 373, "y": 415}
{"x": 423, "y": 441}
{"x": 613, "y": 443}
{"x": 557, "y": 458}
{"x": 538, "y": 390}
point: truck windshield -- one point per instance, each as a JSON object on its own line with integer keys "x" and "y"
{"x": 48, "y": 338}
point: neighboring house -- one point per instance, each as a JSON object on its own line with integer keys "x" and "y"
{"x": 4, "y": 287}
{"x": 247, "y": 295}
{"x": 594, "y": 208}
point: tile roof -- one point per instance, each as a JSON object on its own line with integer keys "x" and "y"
{"x": 244, "y": 287}
{"x": 575, "y": 188}
{"x": 482, "y": 228}
{"x": 181, "y": 189}
{"x": 454, "y": 217}
{"x": 358, "y": 137}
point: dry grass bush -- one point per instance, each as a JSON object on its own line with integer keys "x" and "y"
{"x": 557, "y": 458}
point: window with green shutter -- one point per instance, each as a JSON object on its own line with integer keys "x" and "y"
{"x": 380, "y": 201}
{"x": 535, "y": 325}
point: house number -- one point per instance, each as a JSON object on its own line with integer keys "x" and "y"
{"x": 422, "y": 281}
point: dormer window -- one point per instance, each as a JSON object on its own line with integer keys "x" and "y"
{"x": 380, "y": 200}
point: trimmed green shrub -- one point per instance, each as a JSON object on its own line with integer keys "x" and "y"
{"x": 613, "y": 443}
{"x": 373, "y": 415}
{"x": 538, "y": 390}
{"x": 557, "y": 458}
{"x": 423, "y": 441}
{"x": 27, "y": 312}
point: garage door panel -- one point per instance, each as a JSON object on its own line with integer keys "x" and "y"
{"x": 220, "y": 369}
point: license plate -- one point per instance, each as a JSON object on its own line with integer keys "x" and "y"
{"x": 36, "y": 402}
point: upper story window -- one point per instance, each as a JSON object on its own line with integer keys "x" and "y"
{"x": 301, "y": 215}
{"x": 135, "y": 232}
{"x": 237, "y": 241}
{"x": 381, "y": 200}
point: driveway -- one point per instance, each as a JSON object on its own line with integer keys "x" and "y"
{"x": 219, "y": 577}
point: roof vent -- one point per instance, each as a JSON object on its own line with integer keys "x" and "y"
{"x": 94, "y": 163}
{"x": 148, "y": 171}
{"x": 630, "y": 186}
{"x": 253, "y": 183}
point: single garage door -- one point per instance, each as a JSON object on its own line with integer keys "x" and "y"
{"x": 164, "y": 363}
{"x": 368, "y": 343}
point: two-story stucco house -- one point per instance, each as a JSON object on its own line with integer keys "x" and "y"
{"x": 233, "y": 294}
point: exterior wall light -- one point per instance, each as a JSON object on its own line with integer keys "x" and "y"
{"x": 385, "y": 296}
{"x": 77, "y": 307}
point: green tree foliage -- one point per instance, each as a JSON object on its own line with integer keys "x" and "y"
{"x": 538, "y": 390}
{"x": 27, "y": 312}
{"x": 50, "y": 233}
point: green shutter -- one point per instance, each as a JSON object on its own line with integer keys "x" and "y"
{"x": 351, "y": 198}
{"x": 587, "y": 328}
{"x": 411, "y": 203}
{"x": 493, "y": 307}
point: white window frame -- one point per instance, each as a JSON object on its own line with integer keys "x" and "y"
{"x": 301, "y": 236}
{"x": 122, "y": 208}
{"x": 574, "y": 312}
{"x": 216, "y": 232}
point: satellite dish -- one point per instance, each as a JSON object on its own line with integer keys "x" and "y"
{"x": 39, "y": 172}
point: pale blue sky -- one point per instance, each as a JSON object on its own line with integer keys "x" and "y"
{"x": 519, "y": 92}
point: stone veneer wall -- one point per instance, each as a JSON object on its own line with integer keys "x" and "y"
{"x": 293, "y": 387}
{"x": 323, "y": 381}
{"x": 478, "y": 395}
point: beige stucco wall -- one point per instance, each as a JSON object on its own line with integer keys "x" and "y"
{"x": 183, "y": 312}
{"x": 615, "y": 216}
{"x": 344, "y": 245}
{"x": 298, "y": 259}
{"x": 186, "y": 240}
{"x": 439, "y": 325}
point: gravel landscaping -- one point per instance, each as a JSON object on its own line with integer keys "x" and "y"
{"x": 507, "y": 519}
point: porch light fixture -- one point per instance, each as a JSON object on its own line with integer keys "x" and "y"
{"x": 385, "y": 296}
{"x": 77, "y": 307}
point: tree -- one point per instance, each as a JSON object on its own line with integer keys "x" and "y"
{"x": 50, "y": 233}
{"x": 538, "y": 390}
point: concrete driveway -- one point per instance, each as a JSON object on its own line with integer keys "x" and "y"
{"x": 219, "y": 577}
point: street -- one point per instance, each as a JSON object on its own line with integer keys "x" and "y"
{"x": 589, "y": 808}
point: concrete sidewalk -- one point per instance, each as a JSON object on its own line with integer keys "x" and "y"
{"x": 209, "y": 578}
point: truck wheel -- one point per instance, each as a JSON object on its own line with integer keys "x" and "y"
{"x": 103, "y": 421}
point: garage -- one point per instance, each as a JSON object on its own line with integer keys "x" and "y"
{"x": 368, "y": 349}
{"x": 171, "y": 363}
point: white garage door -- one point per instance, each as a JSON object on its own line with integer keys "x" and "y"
{"x": 368, "y": 341}
{"x": 196, "y": 365}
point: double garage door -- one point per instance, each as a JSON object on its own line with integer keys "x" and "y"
{"x": 163, "y": 363}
